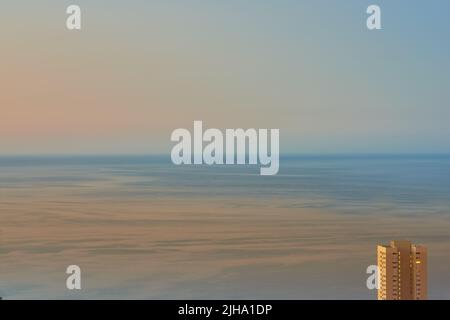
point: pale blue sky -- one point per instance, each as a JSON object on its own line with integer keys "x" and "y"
{"x": 140, "y": 69}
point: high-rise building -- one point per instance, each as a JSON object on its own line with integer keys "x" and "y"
{"x": 402, "y": 271}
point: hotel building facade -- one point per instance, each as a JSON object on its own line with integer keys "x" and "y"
{"x": 402, "y": 271}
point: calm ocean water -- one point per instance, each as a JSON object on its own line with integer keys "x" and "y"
{"x": 140, "y": 227}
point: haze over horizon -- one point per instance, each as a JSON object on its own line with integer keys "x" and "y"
{"x": 136, "y": 72}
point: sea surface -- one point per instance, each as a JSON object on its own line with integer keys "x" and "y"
{"x": 140, "y": 227}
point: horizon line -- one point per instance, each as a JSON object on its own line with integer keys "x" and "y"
{"x": 287, "y": 154}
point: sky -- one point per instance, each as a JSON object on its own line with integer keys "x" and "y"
{"x": 140, "y": 69}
